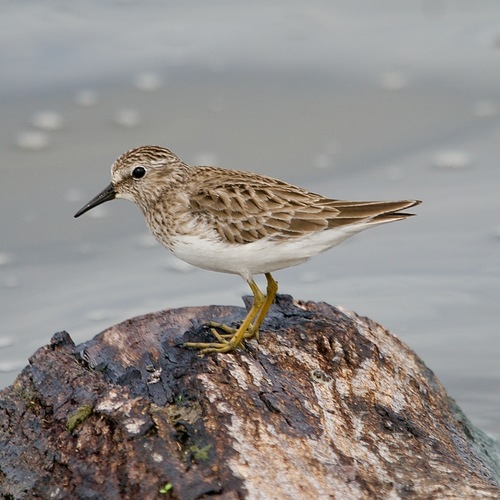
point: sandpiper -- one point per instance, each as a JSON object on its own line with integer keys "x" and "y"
{"x": 236, "y": 222}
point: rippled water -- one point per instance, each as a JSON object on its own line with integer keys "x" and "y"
{"x": 399, "y": 101}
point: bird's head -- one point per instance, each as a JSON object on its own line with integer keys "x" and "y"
{"x": 140, "y": 175}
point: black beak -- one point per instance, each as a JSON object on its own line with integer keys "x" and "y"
{"x": 107, "y": 194}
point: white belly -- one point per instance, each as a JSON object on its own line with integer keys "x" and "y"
{"x": 262, "y": 256}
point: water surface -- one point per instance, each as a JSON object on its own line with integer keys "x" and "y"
{"x": 348, "y": 99}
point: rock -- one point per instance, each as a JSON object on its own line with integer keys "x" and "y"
{"x": 326, "y": 405}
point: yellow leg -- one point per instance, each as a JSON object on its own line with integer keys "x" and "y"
{"x": 238, "y": 335}
{"x": 272, "y": 290}
{"x": 253, "y": 330}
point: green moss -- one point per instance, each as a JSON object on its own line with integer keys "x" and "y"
{"x": 167, "y": 488}
{"x": 200, "y": 453}
{"x": 78, "y": 417}
{"x": 30, "y": 399}
{"x": 189, "y": 413}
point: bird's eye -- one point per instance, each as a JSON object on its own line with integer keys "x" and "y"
{"x": 138, "y": 172}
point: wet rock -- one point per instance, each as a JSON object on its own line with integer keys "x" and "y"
{"x": 326, "y": 405}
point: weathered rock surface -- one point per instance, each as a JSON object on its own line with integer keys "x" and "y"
{"x": 326, "y": 405}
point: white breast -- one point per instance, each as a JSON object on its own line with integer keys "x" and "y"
{"x": 262, "y": 256}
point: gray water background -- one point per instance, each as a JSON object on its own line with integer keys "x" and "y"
{"x": 353, "y": 99}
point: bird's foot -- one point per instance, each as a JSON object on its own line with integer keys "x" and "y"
{"x": 232, "y": 338}
{"x": 222, "y": 346}
{"x": 227, "y": 342}
{"x": 250, "y": 333}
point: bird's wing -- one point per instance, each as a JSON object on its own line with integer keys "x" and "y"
{"x": 245, "y": 207}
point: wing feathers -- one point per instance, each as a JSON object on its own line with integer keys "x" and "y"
{"x": 252, "y": 207}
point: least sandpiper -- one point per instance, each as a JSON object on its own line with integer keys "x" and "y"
{"x": 236, "y": 222}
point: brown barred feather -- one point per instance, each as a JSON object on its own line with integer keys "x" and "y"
{"x": 228, "y": 200}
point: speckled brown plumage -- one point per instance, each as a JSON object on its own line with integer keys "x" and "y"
{"x": 244, "y": 207}
{"x": 237, "y": 222}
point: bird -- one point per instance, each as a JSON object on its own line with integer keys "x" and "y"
{"x": 236, "y": 222}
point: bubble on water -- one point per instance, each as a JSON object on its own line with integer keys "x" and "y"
{"x": 433, "y": 8}
{"x": 86, "y": 98}
{"x": 73, "y": 195}
{"x": 392, "y": 80}
{"x": 32, "y": 139}
{"x": 47, "y": 120}
{"x": 309, "y": 277}
{"x": 30, "y": 216}
{"x": 11, "y": 365}
{"x": 6, "y": 342}
{"x": 452, "y": 160}
{"x": 5, "y": 259}
{"x": 148, "y": 82}
{"x": 11, "y": 282}
{"x": 127, "y": 118}
{"x": 205, "y": 158}
{"x": 179, "y": 266}
{"x": 86, "y": 248}
{"x": 99, "y": 315}
{"x": 146, "y": 240}
{"x": 394, "y": 173}
{"x": 98, "y": 212}
{"x": 483, "y": 109}
{"x": 323, "y": 161}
